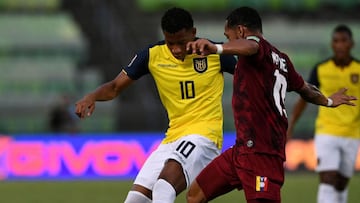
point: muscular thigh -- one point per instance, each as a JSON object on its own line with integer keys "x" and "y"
{"x": 152, "y": 167}
{"x": 336, "y": 154}
{"x": 193, "y": 152}
{"x": 219, "y": 177}
{"x": 350, "y": 148}
{"x": 328, "y": 153}
{"x": 262, "y": 176}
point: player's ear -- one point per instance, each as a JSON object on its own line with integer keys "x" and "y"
{"x": 194, "y": 31}
{"x": 240, "y": 31}
{"x": 352, "y": 43}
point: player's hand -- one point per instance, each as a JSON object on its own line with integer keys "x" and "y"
{"x": 85, "y": 106}
{"x": 340, "y": 98}
{"x": 201, "y": 47}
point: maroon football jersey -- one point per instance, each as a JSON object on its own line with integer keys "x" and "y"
{"x": 259, "y": 88}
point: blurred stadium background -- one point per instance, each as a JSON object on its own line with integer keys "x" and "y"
{"x": 55, "y": 48}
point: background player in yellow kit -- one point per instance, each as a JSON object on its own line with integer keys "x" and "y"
{"x": 337, "y": 130}
{"x": 190, "y": 88}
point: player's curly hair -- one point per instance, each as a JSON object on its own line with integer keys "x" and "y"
{"x": 343, "y": 28}
{"x": 245, "y": 16}
{"x": 176, "y": 19}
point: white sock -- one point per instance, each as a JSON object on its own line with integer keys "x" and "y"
{"x": 163, "y": 192}
{"x": 343, "y": 195}
{"x": 136, "y": 197}
{"x": 327, "y": 194}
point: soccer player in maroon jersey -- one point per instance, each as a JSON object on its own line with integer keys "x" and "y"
{"x": 262, "y": 77}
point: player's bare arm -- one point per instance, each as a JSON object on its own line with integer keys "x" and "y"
{"x": 242, "y": 47}
{"x": 105, "y": 92}
{"x": 312, "y": 94}
{"x": 299, "y": 107}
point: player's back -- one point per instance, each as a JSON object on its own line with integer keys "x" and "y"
{"x": 260, "y": 85}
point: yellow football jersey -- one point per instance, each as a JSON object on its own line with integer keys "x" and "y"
{"x": 190, "y": 90}
{"x": 344, "y": 120}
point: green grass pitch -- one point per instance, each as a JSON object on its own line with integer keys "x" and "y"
{"x": 298, "y": 188}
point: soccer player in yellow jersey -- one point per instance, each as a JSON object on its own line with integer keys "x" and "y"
{"x": 337, "y": 130}
{"x": 190, "y": 87}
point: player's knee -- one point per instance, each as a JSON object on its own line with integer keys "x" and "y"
{"x": 341, "y": 185}
{"x": 340, "y": 188}
{"x": 341, "y": 182}
{"x": 191, "y": 198}
{"x": 328, "y": 177}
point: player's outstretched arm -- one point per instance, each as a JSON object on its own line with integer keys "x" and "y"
{"x": 312, "y": 94}
{"x": 107, "y": 91}
{"x": 241, "y": 47}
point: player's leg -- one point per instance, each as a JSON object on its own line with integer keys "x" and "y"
{"x": 347, "y": 166}
{"x": 328, "y": 156}
{"x": 216, "y": 179}
{"x": 173, "y": 173}
{"x": 341, "y": 187}
{"x": 141, "y": 191}
{"x": 195, "y": 193}
{"x": 170, "y": 183}
{"x": 190, "y": 155}
{"x": 326, "y": 189}
{"x": 262, "y": 177}
{"x": 138, "y": 194}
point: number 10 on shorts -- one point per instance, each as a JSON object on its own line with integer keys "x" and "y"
{"x": 185, "y": 148}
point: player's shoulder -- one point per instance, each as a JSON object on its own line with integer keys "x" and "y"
{"x": 154, "y": 48}
{"x": 265, "y": 42}
{"x": 356, "y": 60}
{"x": 145, "y": 50}
{"x": 157, "y": 44}
{"x": 323, "y": 62}
{"x": 271, "y": 47}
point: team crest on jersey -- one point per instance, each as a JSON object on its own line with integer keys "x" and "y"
{"x": 200, "y": 64}
{"x": 354, "y": 78}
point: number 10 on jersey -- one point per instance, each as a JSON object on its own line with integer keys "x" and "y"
{"x": 187, "y": 89}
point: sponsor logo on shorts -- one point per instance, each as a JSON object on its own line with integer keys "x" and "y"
{"x": 262, "y": 183}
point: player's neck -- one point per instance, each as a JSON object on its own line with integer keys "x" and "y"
{"x": 342, "y": 62}
{"x": 258, "y": 34}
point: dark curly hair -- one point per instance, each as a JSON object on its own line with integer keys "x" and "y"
{"x": 176, "y": 19}
{"x": 343, "y": 28}
{"x": 245, "y": 16}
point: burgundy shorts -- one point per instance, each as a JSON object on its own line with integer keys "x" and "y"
{"x": 261, "y": 176}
